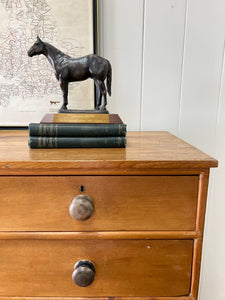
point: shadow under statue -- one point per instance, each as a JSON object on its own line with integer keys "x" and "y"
{"x": 68, "y": 69}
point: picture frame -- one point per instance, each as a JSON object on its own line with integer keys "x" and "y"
{"x": 28, "y": 88}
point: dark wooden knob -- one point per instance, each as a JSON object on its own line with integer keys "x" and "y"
{"x": 84, "y": 273}
{"x": 81, "y": 208}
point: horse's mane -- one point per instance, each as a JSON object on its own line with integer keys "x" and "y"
{"x": 56, "y": 50}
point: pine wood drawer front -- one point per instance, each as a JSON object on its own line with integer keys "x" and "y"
{"x": 122, "y": 267}
{"x": 41, "y": 203}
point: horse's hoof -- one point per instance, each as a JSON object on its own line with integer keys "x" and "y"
{"x": 63, "y": 107}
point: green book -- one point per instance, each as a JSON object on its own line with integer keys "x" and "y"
{"x": 77, "y": 142}
{"x": 77, "y": 130}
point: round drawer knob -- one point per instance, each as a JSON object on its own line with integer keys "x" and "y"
{"x": 81, "y": 207}
{"x": 84, "y": 273}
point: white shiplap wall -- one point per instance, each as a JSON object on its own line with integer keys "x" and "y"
{"x": 169, "y": 74}
{"x": 121, "y": 38}
{"x": 164, "y": 25}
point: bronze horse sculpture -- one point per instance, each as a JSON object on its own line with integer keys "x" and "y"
{"x": 68, "y": 69}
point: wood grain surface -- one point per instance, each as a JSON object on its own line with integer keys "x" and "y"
{"x": 200, "y": 220}
{"x": 98, "y": 298}
{"x": 100, "y": 235}
{"x": 123, "y": 268}
{"x": 145, "y": 152}
{"x": 144, "y": 235}
{"x": 41, "y": 203}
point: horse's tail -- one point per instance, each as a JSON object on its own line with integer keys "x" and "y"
{"x": 109, "y": 78}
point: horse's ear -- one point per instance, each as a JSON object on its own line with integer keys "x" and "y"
{"x": 38, "y": 39}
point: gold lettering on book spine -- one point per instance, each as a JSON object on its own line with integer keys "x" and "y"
{"x": 50, "y": 144}
{"x": 39, "y": 142}
{"x": 44, "y": 130}
{"x": 51, "y": 130}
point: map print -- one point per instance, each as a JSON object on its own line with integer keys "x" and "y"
{"x": 28, "y": 86}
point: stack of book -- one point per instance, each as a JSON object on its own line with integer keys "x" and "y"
{"x": 54, "y": 134}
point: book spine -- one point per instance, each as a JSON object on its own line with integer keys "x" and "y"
{"x": 77, "y": 130}
{"x": 74, "y": 142}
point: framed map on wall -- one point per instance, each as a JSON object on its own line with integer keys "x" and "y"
{"x": 28, "y": 87}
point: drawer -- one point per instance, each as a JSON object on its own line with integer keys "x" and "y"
{"x": 41, "y": 203}
{"x": 122, "y": 267}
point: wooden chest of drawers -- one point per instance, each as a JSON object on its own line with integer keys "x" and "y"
{"x": 134, "y": 231}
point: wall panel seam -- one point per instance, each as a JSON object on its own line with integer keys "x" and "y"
{"x": 142, "y": 63}
{"x": 222, "y": 73}
{"x": 182, "y": 68}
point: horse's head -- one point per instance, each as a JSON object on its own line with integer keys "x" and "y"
{"x": 37, "y": 48}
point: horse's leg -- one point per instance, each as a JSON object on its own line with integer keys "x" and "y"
{"x": 103, "y": 92}
{"x": 98, "y": 94}
{"x": 64, "y": 88}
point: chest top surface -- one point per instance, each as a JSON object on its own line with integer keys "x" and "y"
{"x": 145, "y": 150}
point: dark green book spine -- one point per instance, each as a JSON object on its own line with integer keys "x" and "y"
{"x": 77, "y": 130}
{"x": 76, "y": 142}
